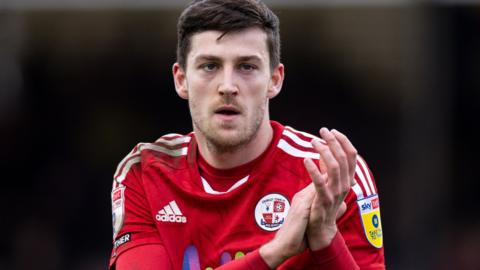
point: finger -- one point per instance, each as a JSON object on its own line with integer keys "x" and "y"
{"x": 299, "y": 213}
{"x": 333, "y": 167}
{"x": 301, "y": 204}
{"x": 350, "y": 150}
{"x": 319, "y": 180}
{"x": 339, "y": 154}
{"x": 321, "y": 162}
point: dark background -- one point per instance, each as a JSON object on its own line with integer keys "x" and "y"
{"x": 79, "y": 88}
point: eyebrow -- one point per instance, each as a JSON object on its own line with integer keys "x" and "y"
{"x": 250, "y": 58}
{"x": 208, "y": 57}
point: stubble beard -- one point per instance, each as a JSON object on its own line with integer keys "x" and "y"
{"x": 220, "y": 144}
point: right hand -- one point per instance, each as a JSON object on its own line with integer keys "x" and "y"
{"x": 332, "y": 182}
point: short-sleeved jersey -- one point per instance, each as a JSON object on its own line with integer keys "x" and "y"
{"x": 159, "y": 197}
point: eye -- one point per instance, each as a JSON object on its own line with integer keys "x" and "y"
{"x": 209, "y": 67}
{"x": 247, "y": 67}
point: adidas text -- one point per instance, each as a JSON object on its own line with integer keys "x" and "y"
{"x": 171, "y": 218}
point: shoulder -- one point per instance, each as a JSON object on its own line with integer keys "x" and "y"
{"x": 291, "y": 148}
{"x": 167, "y": 148}
{"x": 298, "y": 144}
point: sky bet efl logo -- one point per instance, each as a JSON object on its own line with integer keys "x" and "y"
{"x": 370, "y": 214}
{"x": 373, "y": 204}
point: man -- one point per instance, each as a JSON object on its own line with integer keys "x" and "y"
{"x": 219, "y": 196}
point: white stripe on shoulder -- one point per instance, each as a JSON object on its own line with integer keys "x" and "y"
{"x": 287, "y": 148}
{"x": 134, "y": 157}
{"x": 360, "y": 175}
{"x": 364, "y": 166}
{"x": 127, "y": 167}
{"x": 171, "y": 135}
{"x": 134, "y": 151}
{"x": 308, "y": 135}
{"x": 173, "y": 142}
{"x": 171, "y": 152}
{"x": 297, "y": 139}
{"x": 114, "y": 185}
{"x": 358, "y": 191}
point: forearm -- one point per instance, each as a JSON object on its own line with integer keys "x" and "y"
{"x": 336, "y": 256}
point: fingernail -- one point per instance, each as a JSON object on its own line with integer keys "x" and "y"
{"x": 323, "y": 130}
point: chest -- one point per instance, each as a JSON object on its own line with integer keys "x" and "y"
{"x": 210, "y": 231}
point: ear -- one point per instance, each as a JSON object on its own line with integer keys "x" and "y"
{"x": 180, "y": 79}
{"x": 276, "y": 81}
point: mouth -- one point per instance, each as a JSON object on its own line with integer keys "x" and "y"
{"x": 227, "y": 110}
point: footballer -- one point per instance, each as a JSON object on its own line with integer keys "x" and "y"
{"x": 241, "y": 191}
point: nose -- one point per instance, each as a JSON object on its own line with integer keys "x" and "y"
{"x": 228, "y": 85}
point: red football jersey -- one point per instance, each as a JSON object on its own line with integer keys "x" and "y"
{"x": 159, "y": 197}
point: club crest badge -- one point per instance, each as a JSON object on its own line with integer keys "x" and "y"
{"x": 271, "y": 211}
{"x": 372, "y": 225}
{"x": 118, "y": 209}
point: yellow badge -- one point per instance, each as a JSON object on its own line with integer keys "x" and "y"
{"x": 372, "y": 225}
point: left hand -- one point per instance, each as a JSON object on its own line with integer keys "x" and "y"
{"x": 290, "y": 239}
{"x": 332, "y": 183}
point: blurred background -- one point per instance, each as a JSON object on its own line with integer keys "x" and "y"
{"x": 82, "y": 81}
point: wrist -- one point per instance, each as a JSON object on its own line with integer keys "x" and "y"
{"x": 273, "y": 254}
{"x": 322, "y": 238}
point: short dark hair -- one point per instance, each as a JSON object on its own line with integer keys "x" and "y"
{"x": 226, "y": 16}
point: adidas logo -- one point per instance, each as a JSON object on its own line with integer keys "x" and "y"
{"x": 171, "y": 213}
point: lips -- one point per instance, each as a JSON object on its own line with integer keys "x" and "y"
{"x": 227, "y": 110}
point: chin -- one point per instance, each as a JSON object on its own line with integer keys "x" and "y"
{"x": 227, "y": 141}
{"x": 231, "y": 138}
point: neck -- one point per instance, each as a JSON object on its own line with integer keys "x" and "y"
{"x": 241, "y": 154}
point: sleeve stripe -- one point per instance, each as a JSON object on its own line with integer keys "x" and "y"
{"x": 360, "y": 175}
{"x": 134, "y": 156}
{"x": 301, "y": 132}
{"x": 364, "y": 167}
{"x": 174, "y": 142}
{"x": 358, "y": 191}
{"x": 297, "y": 139}
{"x": 169, "y": 140}
{"x": 171, "y": 152}
{"x": 171, "y": 136}
{"x": 125, "y": 159}
{"x": 287, "y": 148}
{"x": 127, "y": 167}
